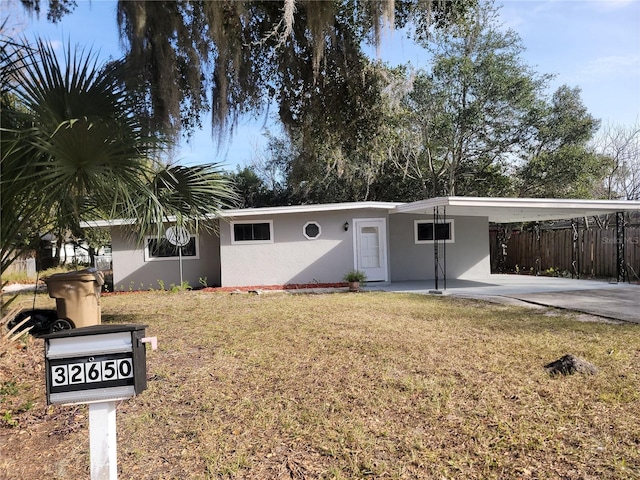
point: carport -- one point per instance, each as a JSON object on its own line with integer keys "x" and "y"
{"x": 518, "y": 210}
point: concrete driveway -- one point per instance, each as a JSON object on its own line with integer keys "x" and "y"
{"x": 617, "y": 304}
{"x": 616, "y": 301}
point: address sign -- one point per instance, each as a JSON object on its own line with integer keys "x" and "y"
{"x": 95, "y": 364}
{"x": 91, "y": 372}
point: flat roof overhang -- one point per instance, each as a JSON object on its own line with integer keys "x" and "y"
{"x": 321, "y": 207}
{"x": 514, "y": 210}
{"x": 497, "y": 210}
{"x": 264, "y": 211}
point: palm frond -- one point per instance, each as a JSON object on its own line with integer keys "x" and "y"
{"x": 73, "y": 149}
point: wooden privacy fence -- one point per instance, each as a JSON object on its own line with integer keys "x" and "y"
{"x": 22, "y": 265}
{"x": 552, "y": 252}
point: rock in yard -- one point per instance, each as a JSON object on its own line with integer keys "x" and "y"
{"x": 569, "y": 364}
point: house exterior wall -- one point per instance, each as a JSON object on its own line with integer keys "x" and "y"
{"x": 292, "y": 258}
{"x": 466, "y": 258}
{"x": 131, "y": 271}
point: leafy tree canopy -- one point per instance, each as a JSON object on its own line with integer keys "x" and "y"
{"x": 477, "y": 122}
{"x": 469, "y": 112}
{"x": 558, "y": 162}
{"x": 235, "y": 57}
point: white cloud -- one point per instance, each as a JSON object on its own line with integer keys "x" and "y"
{"x": 608, "y": 5}
{"x": 610, "y": 67}
{"x": 56, "y": 45}
{"x": 510, "y": 17}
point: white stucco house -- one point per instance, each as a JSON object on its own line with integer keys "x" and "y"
{"x": 312, "y": 244}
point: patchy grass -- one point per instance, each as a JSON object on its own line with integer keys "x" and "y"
{"x": 342, "y": 386}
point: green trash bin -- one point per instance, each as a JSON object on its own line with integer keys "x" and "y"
{"x": 77, "y": 297}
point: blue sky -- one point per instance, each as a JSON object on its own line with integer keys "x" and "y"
{"x": 592, "y": 44}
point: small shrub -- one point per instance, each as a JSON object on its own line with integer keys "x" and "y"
{"x": 182, "y": 287}
{"x": 355, "y": 276}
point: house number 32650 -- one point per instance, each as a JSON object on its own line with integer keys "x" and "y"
{"x": 90, "y": 371}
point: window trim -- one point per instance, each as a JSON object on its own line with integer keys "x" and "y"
{"x": 250, "y": 242}
{"x": 149, "y": 258}
{"x": 422, "y": 222}
{"x": 304, "y": 230}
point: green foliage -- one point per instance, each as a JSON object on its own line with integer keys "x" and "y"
{"x": 303, "y": 56}
{"x": 558, "y": 163}
{"x": 56, "y": 10}
{"x": 8, "y": 390}
{"x": 306, "y": 56}
{"x": 469, "y": 112}
{"x": 184, "y": 286}
{"x": 455, "y": 128}
{"x": 476, "y": 122}
{"x": 355, "y": 276}
{"x": 75, "y": 149}
{"x": 253, "y": 191}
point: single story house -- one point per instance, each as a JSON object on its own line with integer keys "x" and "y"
{"x": 319, "y": 244}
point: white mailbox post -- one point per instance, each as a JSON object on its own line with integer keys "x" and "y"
{"x": 97, "y": 365}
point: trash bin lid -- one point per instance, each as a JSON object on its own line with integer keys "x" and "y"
{"x": 86, "y": 275}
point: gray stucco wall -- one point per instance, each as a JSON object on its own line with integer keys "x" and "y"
{"x": 131, "y": 271}
{"x": 466, "y": 258}
{"x": 292, "y": 258}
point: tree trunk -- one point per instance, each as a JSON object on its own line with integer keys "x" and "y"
{"x": 56, "y": 257}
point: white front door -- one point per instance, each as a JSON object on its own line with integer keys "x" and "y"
{"x": 370, "y": 242}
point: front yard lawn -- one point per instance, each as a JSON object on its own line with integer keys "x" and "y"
{"x": 342, "y": 386}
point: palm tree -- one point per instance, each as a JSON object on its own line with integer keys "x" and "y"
{"x": 74, "y": 149}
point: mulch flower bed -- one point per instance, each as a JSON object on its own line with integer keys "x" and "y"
{"x": 289, "y": 286}
{"x": 253, "y": 288}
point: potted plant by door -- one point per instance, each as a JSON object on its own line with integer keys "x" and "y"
{"x": 354, "y": 278}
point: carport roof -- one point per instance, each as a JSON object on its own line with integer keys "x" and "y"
{"x": 507, "y": 210}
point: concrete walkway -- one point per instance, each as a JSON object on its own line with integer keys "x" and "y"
{"x": 617, "y": 301}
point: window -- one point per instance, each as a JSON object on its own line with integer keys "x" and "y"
{"x": 161, "y": 249}
{"x": 312, "y": 230}
{"x": 252, "y": 232}
{"x": 424, "y": 231}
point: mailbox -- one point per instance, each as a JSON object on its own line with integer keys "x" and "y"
{"x": 101, "y": 363}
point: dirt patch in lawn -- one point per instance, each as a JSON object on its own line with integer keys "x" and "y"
{"x": 369, "y": 385}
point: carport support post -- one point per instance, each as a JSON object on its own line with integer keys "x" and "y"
{"x": 436, "y": 258}
{"x": 102, "y": 441}
{"x": 538, "y": 266}
{"x": 437, "y": 219}
{"x": 575, "y": 248}
{"x": 620, "y": 250}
